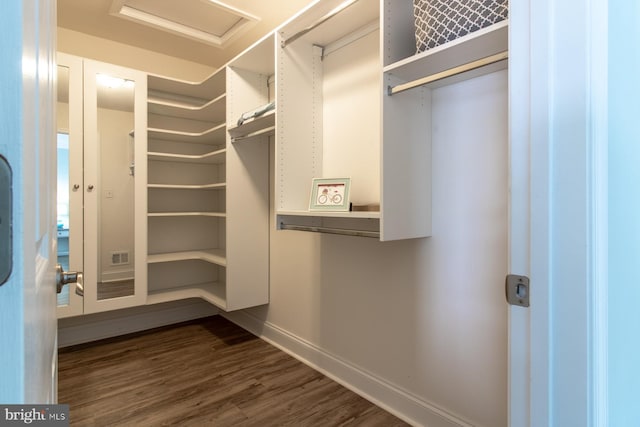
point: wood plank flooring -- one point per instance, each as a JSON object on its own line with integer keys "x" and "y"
{"x": 208, "y": 372}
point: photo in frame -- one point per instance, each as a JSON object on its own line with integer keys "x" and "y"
{"x": 330, "y": 194}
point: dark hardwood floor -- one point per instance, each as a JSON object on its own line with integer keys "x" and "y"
{"x": 208, "y": 372}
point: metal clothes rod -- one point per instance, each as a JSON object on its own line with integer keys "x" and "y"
{"x": 322, "y": 20}
{"x": 392, "y": 90}
{"x": 329, "y": 230}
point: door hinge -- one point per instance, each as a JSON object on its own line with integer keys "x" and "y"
{"x": 517, "y": 290}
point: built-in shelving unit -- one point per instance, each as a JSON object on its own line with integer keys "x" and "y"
{"x": 249, "y": 87}
{"x": 187, "y": 189}
{"x": 209, "y": 199}
{"x": 406, "y": 114}
{"x": 336, "y": 83}
{"x": 328, "y": 112}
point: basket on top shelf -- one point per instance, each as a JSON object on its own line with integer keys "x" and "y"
{"x": 440, "y": 21}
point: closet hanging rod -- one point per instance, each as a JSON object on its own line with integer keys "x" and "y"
{"x": 322, "y": 20}
{"x": 330, "y": 230}
{"x": 392, "y": 90}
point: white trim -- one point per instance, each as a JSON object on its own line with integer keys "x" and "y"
{"x": 519, "y": 249}
{"x": 382, "y": 393}
{"x": 597, "y": 138}
{"x": 93, "y": 327}
{"x": 539, "y": 104}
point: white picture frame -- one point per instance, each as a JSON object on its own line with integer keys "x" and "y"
{"x": 330, "y": 194}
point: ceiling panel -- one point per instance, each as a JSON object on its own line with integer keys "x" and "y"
{"x": 94, "y": 17}
{"x": 209, "y": 21}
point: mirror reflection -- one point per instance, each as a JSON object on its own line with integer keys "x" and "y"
{"x": 62, "y": 209}
{"x": 116, "y": 185}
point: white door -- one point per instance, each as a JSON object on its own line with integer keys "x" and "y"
{"x": 28, "y": 333}
{"x": 115, "y": 193}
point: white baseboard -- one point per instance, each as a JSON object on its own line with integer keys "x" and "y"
{"x": 93, "y": 327}
{"x": 400, "y": 403}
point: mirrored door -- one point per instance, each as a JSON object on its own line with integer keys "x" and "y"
{"x": 70, "y": 178}
{"x": 114, "y": 160}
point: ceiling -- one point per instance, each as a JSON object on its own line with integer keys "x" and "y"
{"x": 209, "y": 32}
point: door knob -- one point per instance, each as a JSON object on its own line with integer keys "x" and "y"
{"x": 64, "y": 277}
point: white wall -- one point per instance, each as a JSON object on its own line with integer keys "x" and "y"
{"x": 99, "y": 49}
{"x": 427, "y": 316}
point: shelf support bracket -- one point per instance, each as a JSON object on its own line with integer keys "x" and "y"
{"x": 392, "y": 90}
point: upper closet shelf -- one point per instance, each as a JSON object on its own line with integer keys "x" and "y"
{"x": 327, "y": 21}
{"x": 450, "y": 58}
{"x": 213, "y": 157}
{"x": 213, "y": 110}
{"x": 210, "y": 88}
{"x": 214, "y": 135}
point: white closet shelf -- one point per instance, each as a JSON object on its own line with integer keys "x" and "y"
{"x": 188, "y": 214}
{"x": 214, "y": 135}
{"x": 212, "y": 157}
{"x": 210, "y": 87}
{"x": 218, "y": 186}
{"x": 214, "y": 256}
{"x": 354, "y": 214}
{"x": 213, "y": 110}
{"x": 213, "y": 292}
{"x": 474, "y": 46}
{"x": 257, "y": 126}
{"x": 319, "y": 25}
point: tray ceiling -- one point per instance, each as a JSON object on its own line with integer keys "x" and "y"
{"x": 203, "y": 31}
{"x": 209, "y": 21}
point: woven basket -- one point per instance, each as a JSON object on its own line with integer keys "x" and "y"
{"x": 441, "y": 21}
